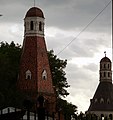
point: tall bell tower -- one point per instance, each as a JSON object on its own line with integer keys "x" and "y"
{"x": 101, "y": 105}
{"x": 35, "y": 75}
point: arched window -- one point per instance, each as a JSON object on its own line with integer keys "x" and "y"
{"x": 100, "y": 74}
{"x": 96, "y": 100}
{"x": 101, "y": 100}
{"x": 28, "y": 74}
{"x": 102, "y": 117}
{"x": 31, "y": 25}
{"x": 40, "y": 26}
{"x": 108, "y": 101}
{"x": 104, "y": 74}
{"x": 110, "y": 117}
{"x": 44, "y": 75}
{"x": 25, "y": 26}
{"x": 108, "y": 74}
{"x": 108, "y": 66}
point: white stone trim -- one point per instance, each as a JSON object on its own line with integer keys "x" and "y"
{"x": 98, "y": 113}
{"x": 28, "y": 74}
{"x": 35, "y": 31}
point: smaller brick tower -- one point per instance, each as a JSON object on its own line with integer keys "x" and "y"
{"x": 102, "y": 103}
{"x": 35, "y": 75}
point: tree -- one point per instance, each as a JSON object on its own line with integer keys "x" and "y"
{"x": 9, "y": 62}
{"x": 9, "y": 66}
{"x": 68, "y": 109}
{"x": 87, "y": 116}
{"x": 57, "y": 67}
{"x": 58, "y": 74}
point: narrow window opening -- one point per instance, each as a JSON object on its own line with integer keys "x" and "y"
{"x": 25, "y": 26}
{"x": 108, "y": 101}
{"x": 96, "y": 100}
{"x": 31, "y": 25}
{"x": 110, "y": 116}
{"x": 100, "y": 74}
{"x": 108, "y": 74}
{"x": 108, "y": 66}
{"x": 44, "y": 75}
{"x": 28, "y": 77}
{"x": 40, "y": 26}
{"x": 102, "y": 117}
{"x": 104, "y": 74}
{"x": 101, "y": 100}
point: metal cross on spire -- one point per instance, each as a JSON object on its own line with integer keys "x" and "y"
{"x": 34, "y": 3}
{"x": 105, "y": 53}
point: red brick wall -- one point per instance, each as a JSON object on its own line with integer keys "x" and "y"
{"x": 34, "y": 58}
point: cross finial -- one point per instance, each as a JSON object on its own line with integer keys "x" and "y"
{"x": 105, "y": 53}
{"x": 34, "y": 3}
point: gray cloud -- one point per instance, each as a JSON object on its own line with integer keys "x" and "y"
{"x": 79, "y": 47}
{"x": 92, "y": 67}
{"x": 69, "y": 17}
{"x": 79, "y": 75}
{"x": 64, "y": 14}
{"x": 78, "y": 14}
{"x": 83, "y": 81}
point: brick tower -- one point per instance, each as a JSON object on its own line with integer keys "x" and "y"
{"x": 35, "y": 75}
{"x": 101, "y": 104}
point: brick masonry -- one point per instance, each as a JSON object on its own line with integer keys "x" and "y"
{"x": 34, "y": 58}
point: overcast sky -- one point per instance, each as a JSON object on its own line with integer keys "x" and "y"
{"x": 64, "y": 20}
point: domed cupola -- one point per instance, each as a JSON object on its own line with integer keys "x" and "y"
{"x": 34, "y": 22}
{"x": 34, "y": 12}
{"x": 105, "y": 70}
{"x": 105, "y": 59}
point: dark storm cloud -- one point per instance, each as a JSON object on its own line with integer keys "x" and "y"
{"x": 14, "y": 10}
{"x": 76, "y": 14}
{"x": 64, "y": 14}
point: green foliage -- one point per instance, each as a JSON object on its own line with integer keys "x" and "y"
{"x": 87, "y": 116}
{"x": 9, "y": 66}
{"x": 9, "y": 62}
{"x": 68, "y": 109}
{"x": 58, "y": 74}
{"x": 60, "y": 82}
